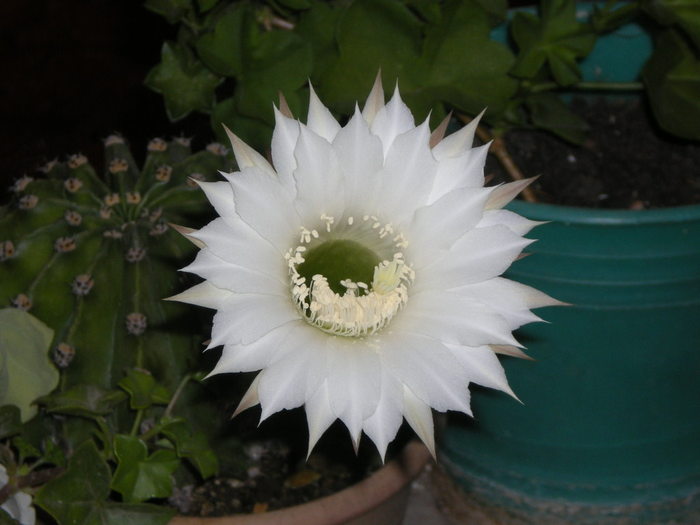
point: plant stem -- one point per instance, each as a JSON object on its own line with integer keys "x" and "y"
{"x": 176, "y": 395}
{"x": 137, "y": 422}
{"x": 499, "y": 150}
{"x": 590, "y": 86}
{"x": 30, "y": 480}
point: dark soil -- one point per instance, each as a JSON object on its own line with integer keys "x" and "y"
{"x": 270, "y": 470}
{"x": 625, "y": 163}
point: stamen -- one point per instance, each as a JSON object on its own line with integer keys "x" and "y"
{"x": 361, "y": 309}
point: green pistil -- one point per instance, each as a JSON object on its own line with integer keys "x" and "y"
{"x": 338, "y": 260}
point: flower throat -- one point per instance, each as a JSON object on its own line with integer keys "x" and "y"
{"x": 339, "y": 280}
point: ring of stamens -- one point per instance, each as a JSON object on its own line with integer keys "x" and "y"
{"x": 362, "y": 308}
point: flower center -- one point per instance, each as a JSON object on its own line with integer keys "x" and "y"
{"x": 350, "y": 279}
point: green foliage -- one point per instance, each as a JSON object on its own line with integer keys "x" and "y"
{"x": 81, "y": 495}
{"x": 26, "y": 372}
{"x": 93, "y": 257}
{"x": 442, "y": 52}
{"x": 672, "y": 74}
{"x": 10, "y": 421}
{"x": 143, "y": 390}
{"x": 139, "y": 476}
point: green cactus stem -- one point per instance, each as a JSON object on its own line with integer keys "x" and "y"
{"x": 93, "y": 257}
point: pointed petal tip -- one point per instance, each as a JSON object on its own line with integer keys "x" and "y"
{"x": 439, "y": 132}
{"x": 284, "y": 106}
{"x": 187, "y": 234}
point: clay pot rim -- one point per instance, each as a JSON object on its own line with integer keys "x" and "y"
{"x": 349, "y": 503}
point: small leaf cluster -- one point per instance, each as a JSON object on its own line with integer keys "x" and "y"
{"x": 128, "y": 462}
{"x": 231, "y": 58}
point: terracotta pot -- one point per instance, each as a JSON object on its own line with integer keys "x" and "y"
{"x": 379, "y": 499}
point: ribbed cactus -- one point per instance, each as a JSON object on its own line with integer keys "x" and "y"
{"x": 93, "y": 257}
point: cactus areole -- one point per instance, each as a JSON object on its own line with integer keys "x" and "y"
{"x": 93, "y": 256}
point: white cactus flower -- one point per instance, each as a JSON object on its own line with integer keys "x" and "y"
{"x": 19, "y": 505}
{"x": 359, "y": 272}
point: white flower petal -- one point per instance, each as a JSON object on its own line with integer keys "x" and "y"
{"x": 236, "y": 278}
{"x": 451, "y": 215}
{"x": 505, "y": 193}
{"x": 428, "y": 368}
{"x": 482, "y": 366}
{"x": 516, "y": 223}
{"x": 247, "y": 157}
{"x": 458, "y": 142}
{"x": 465, "y": 170}
{"x": 320, "y": 120}
{"x": 245, "y": 318}
{"x": 264, "y": 204}
{"x": 360, "y": 156}
{"x": 290, "y": 381}
{"x": 220, "y": 195}
{"x": 318, "y": 178}
{"x": 478, "y": 255}
{"x": 319, "y": 415}
{"x": 512, "y": 300}
{"x": 234, "y": 241}
{"x": 375, "y": 100}
{"x": 249, "y": 399}
{"x": 384, "y": 423}
{"x": 284, "y": 140}
{"x": 452, "y": 318}
{"x": 283, "y": 385}
{"x": 353, "y": 383}
{"x": 257, "y": 354}
{"x": 408, "y": 174}
{"x": 203, "y": 294}
{"x": 420, "y": 417}
{"x": 392, "y": 120}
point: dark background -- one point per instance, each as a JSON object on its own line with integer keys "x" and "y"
{"x": 73, "y": 73}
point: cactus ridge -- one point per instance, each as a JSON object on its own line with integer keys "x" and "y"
{"x": 93, "y": 257}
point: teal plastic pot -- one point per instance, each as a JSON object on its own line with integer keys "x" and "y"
{"x": 609, "y": 428}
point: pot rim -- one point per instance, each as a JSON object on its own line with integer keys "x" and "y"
{"x": 351, "y": 502}
{"x": 596, "y": 216}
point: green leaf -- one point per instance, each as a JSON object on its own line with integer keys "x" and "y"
{"x": 6, "y": 519}
{"x": 206, "y": 5}
{"x": 53, "y": 453}
{"x": 172, "y": 10}
{"x": 612, "y": 15}
{"x": 186, "y": 84}
{"x": 277, "y": 61}
{"x": 143, "y": 389}
{"x": 672, "y": 79}
{"x": 255, "y": 132}
{"x": 429, "y": 9}
{"x": 83, "y": 400}
{"x": 25, "y": 370}
{"x": 371, "y": 35}
{"x": 191, "y": 445}
{"x": 25, "y": 449}
{"x": 138, "y": 476}
{"x": 80, "y": 495}
{"x": 684, "y": 13}
{"x": 296, "y": 4}
{"x": 317, "y": 26}
{"x": 221, "y": 50}
{"x": 548, "y": 111}
{"x": 462, "y": 65}
{"x": 497, "y": 9}
{"x": 10, "y": 422}
{"x": 556, "y": 37}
